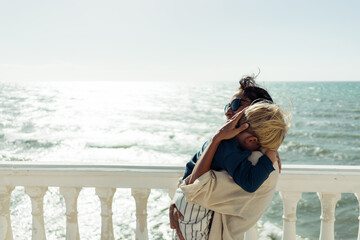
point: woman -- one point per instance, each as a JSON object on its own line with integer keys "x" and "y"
{"x": 248, "y": 93}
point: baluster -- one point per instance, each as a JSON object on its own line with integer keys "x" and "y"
{"x": 36, "y": 195}
{"x": 171, "y": 192}
{"x": 328, "y": 204}
{"x": 252, "y": 233}
{"x": 141, "y": 196}
{"x": 358, "y": 198}
{"x": 290, "y": 200}
{"x": 72, "y": 228}
{"x": 5, "y": 222}
{"x": 106, "y": 196}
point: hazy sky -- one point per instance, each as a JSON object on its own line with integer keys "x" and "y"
{"x": 179, "y": 40}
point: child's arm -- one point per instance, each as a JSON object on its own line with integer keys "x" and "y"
{"x": 244, "y": 174}
{"x": 205, "y": 160}
{"x": 191, "y": 163}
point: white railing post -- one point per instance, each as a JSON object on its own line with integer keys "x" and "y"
{"x": 141, "y": 196}
{"x": 70, "y": 195}
{"x": 106, "y": 196}
{"x": 290, "y": 200}
{"x": 328, "y": 204}
{"x": 171, "y": 192}
{"x": 252, "y": 233}
{"x": 358, "y": 198}
{"x": 5, "y": 222}
{"x": 36, "y": 195}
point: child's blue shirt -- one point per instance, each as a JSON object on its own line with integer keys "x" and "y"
{"x": 230, "y": 157}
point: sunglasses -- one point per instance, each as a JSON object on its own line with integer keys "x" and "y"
{"x": 234, "y": 105}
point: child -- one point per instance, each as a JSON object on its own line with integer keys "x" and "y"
{"x": 267, "y": 129}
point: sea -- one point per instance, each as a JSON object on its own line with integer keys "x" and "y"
{"x": 165, "y": 123}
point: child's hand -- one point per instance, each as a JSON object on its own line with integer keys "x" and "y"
{"x": 279, "y": 161}
{"x": 271, "y": 154}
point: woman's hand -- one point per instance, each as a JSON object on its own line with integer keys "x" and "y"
{"x": 230, "y": 129}
{"x": 227, "y": 131}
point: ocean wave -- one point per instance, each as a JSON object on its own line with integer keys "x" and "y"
{"x": 4, "y": 157}
{"x": 330, "y": 114}
{"x": 325, "y": 124}
{"x": 323, "y": 134}
{"x": 305, "y": 148}
{"x": 115, "y": 146}
{"x": 28, "y": 127}
{"x": 34, "y": 143}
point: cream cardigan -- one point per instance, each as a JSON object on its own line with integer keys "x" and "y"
{"x": 236, "y": 210}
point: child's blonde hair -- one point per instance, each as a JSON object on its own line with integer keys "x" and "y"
{"x": 268, "y": 122}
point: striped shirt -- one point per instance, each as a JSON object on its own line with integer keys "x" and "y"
{"x": 197, "y": 220}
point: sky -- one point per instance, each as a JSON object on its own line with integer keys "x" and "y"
{"x": 183, "y": 40}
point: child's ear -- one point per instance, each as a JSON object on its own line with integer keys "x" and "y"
{"x": 251, "y": 140}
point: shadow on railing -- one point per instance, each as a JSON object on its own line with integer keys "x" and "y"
{"x": 328, "y": 181}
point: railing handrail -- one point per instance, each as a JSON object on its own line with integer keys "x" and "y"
{"x": 286, "y": 168}
{"x": 304, "y": 178}
{"x": 89, "y": 175}
{"x": 39, "y": 166}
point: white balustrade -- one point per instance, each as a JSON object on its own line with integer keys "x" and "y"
{"x": 290, "y": 200}
{"x": 171, "y": 192}
{"x": 36, "y": 195}
{"x": 328, "y": 181}
{"x": 328, "y": 204}
{"x": 141, "y": 196}
{"x": 106, "y": 196}
{"x": 358, "y": 198}
{"x": 70, "y": 195}
{"x": 5, "y": 223}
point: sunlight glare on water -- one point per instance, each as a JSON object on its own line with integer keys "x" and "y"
{"x": 165, "y": 123}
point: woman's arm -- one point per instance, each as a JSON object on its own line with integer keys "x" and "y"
{"x": 218, "y": 192}
{"x": 227, "y": 131}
